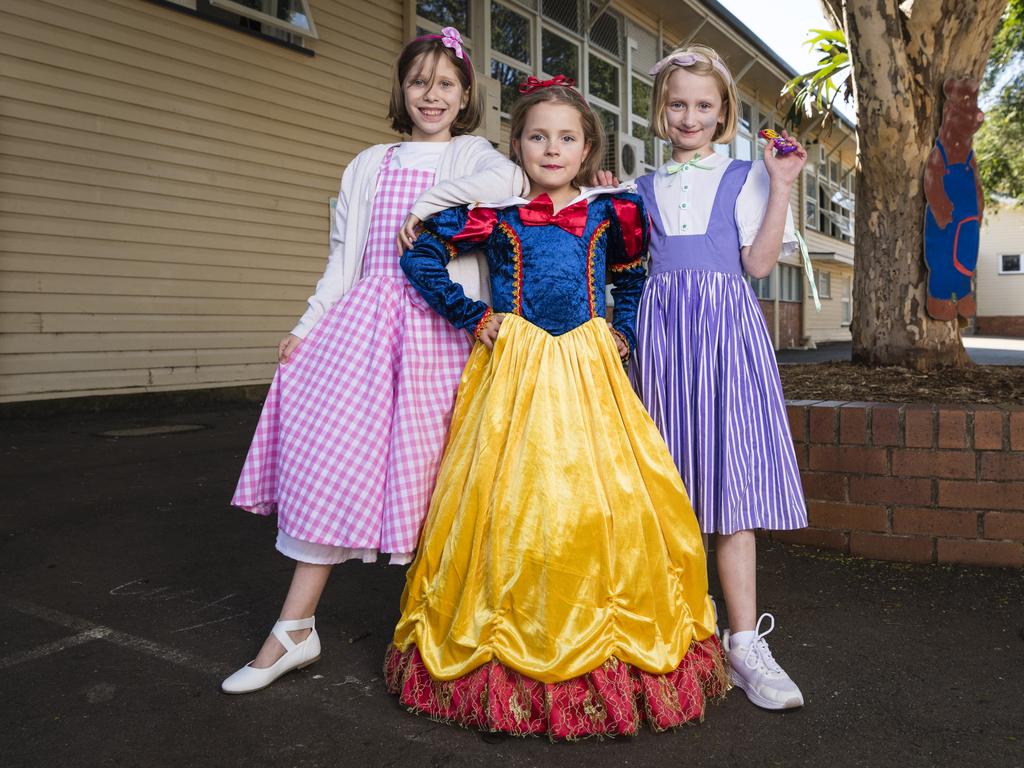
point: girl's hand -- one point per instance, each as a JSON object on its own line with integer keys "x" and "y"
{"x": 408, "y": 233}
{"x": 489, "y": 333}
{"x": 605, "y": 178}
{"x": 287, "y": 346}
{"x": 784, "y": 169}
{"x": 620, "y": 343}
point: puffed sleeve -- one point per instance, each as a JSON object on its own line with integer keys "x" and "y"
{"x": 751, "y": 204}
{"x": 486, "y": 176}
{"x": 627, "y": 246}
{"x": 445, "y": 236}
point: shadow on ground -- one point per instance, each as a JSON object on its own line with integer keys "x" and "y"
{"x": 130, "y": 588}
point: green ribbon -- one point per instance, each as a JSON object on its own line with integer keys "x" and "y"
{"x": 808, "y": 270}
{"x": 691, "y": 163}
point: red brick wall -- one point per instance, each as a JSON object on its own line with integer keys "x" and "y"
{"x": 790, "y": 325}
{"x": 1000, "y": 325}
{"x": 919, "y": 483}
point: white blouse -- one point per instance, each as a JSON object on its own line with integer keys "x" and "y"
{"x": 685, "y": 199}
{"x": 418, "y": 155}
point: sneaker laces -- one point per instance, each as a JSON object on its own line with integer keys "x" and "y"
{"x": 759, "y": 648}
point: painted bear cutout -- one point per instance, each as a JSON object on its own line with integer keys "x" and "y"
{"x": 955, "y": 205}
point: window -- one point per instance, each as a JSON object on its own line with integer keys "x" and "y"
{"x": 445, "y": 13}
{"x": 282, "y": 21}
{"x": 640, "y": 120}
{"x": 564, "y": 12}
{"x": 605, "y": 31}
{"x": 510, "y": 33}
{"x": 609, "y": 120}
{"x": 1010, "y": 264}
{"x": 762, "y": 286}
{"x": 545, "y": 38}
{"x": 603, "y": 80}
{"x": 811, "y": 196}
{"x": 511, "y": 61}
{"x": 559, "y": 56}
{"x": 828, "y": 197}
{"x": 825, "y": 285}
{"x": 791, "y": 283}
{"x": 847, "y": 305}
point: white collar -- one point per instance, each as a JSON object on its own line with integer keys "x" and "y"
{"x": 714, "y": 160}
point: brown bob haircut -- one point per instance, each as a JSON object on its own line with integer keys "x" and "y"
{"x": 431, "y": 50}
{"x": 593, "y": 132}
{"x": 726, "y": 130}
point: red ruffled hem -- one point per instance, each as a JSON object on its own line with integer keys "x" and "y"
{"x": 612, "y": 700}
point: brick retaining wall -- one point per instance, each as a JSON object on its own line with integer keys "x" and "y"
{"x": 1000, "y": 325}
{"x": 918, "y": 483}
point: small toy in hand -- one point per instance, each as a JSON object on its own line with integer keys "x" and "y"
{"x": 782, "y": 146}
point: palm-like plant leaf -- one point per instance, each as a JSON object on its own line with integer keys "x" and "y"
{"x": 814, "y": 93}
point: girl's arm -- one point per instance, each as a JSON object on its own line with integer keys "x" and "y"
{"x": 490, "y": 177}
{"x": 759, "y": 257}
{"x": 330, "y": 287}
{"x": 445, "y": 236}
{"x": 626, "y": 249}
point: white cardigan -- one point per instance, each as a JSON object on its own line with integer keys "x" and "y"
{"x": 493, "y": 177}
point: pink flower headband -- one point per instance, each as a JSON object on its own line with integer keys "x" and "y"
{"x": 688, "y": 59}
{"x": 450, "y": 37}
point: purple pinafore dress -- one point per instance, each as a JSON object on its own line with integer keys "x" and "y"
{"x": 706, "y": 371}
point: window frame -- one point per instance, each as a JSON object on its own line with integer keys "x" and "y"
{"x": 272, "y": 21}
{"x": 824, "y": 280}
{"x": 846, "y": 302}
{"x": 791, "y": 282}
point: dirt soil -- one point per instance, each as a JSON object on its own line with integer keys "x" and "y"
{"x": 989, "y": 384}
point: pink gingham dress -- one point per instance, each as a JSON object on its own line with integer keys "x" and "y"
{"x": 353, "y": 427}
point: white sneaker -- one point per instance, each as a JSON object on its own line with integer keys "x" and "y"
{"x": 753, "y": 669}
{"x": 296, "y": 656}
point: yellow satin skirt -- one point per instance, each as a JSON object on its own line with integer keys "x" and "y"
{"x": 559, "y": 534}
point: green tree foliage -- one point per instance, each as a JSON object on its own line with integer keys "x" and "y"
{"x": 999, "y": 145}
{"x": 813, "y": 94}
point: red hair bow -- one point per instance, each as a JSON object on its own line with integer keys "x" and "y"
{"x": 532, "y": 83}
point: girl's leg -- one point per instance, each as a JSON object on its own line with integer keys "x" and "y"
{"x": 307, "y": 585}
{"x": 736, "y": 555}
{"x": 752, "y": 666}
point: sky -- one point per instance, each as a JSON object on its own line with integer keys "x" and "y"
{"x": 783, "y": 35}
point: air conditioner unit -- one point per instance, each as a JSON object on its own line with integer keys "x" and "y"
{"x": 625, "y": 156}
{"x": 490, "y": 122}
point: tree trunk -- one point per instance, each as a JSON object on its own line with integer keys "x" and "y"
{"x": 902, "y": 53}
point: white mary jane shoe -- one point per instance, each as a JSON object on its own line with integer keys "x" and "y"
{"x": 296, "y": 656}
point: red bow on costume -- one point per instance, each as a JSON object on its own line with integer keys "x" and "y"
{"x": 532, "y": 83}
{"x": 572, "y": 218}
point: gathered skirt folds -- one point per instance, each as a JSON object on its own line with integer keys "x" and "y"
{"x": 560, "y": 585}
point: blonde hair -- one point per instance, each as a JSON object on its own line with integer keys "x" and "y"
{"x": 593, "y": 131}
{"x": 432, "y": 49}
{"x": 709, "y": 64}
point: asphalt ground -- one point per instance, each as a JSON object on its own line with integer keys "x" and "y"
{"x": 129, "y": 589}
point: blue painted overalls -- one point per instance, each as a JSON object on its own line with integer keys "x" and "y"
{"x": 952, "y": 253}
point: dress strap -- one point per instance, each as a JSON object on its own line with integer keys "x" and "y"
{"x": 942, "y": 151}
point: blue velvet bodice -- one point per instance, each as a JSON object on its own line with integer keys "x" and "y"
{"x": 552, "y": 274}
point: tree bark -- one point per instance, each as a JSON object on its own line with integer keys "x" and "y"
{"x": 902, "y": 53}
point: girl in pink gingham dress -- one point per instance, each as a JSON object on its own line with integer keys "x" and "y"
{"x": 353, "y": 427}
{"x": 348, "y": 444}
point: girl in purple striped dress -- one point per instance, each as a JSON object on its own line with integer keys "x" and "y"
{"x": 705, "y": 367}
